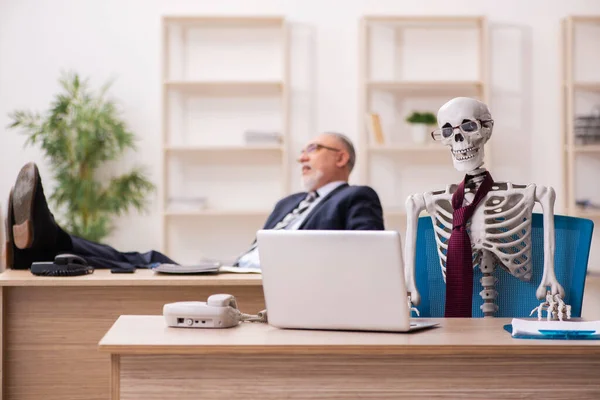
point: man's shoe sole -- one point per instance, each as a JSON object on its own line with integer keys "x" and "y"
{"x": 23, "y": 198}
{"x": 9, "y": 241}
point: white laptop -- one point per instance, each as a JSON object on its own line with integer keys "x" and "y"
{"x": 339, "y": 280}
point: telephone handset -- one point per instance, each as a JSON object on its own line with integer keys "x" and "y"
{"x": 219, "y": 311}
{"x": 221, "y": 300}
{"x": 63, "y": 265}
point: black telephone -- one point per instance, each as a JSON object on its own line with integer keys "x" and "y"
{"x": 63, "y": 265}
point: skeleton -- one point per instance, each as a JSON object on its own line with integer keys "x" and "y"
{"x": 500, "y": 228}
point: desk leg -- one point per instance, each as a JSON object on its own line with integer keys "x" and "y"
{"x": 115, "y": 377}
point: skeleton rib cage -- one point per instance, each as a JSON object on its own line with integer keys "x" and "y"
{"x": 500, "y": 225}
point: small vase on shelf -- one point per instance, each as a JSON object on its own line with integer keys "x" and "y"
{"x": 419, "y": 133}
{"x": 421, "y": 123}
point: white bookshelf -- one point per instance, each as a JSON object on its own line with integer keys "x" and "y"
{"x": 400, "y": 71}
{"x": 221, "y": 77}
{"x": 581, "y": 95}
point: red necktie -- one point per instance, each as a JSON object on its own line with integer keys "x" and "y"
{"x": 459, "y": 260}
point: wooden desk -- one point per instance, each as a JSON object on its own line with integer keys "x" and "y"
{"x": 51, "y": 326}
{"x": 465, "y": 358}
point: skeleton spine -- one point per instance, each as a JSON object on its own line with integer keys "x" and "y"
{"x": 489, "y": 293}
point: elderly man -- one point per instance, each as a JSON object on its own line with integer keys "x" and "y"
{"x": 328, "y": 203}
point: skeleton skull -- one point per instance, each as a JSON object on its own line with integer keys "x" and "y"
{"x": 465, "y": 125}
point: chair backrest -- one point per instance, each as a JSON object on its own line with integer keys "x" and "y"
{"x": 515, "y": 298}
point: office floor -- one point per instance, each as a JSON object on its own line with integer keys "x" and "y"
{"x": 591, "y": 298}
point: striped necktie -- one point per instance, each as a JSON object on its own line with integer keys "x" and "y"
{"x": 296, "y": 212}
{"x": 290, "y": 217}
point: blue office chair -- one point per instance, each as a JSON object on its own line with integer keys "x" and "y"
{"x": 515, "y": 298}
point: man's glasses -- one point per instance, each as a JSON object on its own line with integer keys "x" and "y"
{"x": 469, "y": 128}
{"x": 311, "y": 148}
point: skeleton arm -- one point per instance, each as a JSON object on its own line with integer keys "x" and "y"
{"x": 546, "y": 197}
{"x": 414, "y": 205}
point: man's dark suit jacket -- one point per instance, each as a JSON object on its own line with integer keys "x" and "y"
{"x": 345, "y": 208}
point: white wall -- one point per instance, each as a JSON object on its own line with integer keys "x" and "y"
{"x": 121, "y": 38}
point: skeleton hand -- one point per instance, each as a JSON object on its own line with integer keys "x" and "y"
{"x": 554, "y": 306}
{"x": 411, "y": 308}
{"x": 563, "y": 308}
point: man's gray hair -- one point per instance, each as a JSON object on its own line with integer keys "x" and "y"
{"x": 347, "y": 143}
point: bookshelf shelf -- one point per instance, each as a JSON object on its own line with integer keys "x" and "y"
{"x": 408, "y": 148}
{"x": 587, "y": 214}
{"x": 394, "y": 212}
{"x": 227, "y": 87}
{"x": 442, "y": 21}
{"x": 587, "y": 86}
{"x": 590, "y": 148}
{"x": 397, "y": 212}
{"x": 223, "y": 21}
{"x": 216, "y": 213}
{"x": 428, "y": 87}
{"x": 225, "y": 149}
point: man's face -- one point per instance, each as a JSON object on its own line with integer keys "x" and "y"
{"x": 321, "y": 159}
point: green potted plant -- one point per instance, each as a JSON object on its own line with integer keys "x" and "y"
{"x": 79, "y": 134}
{"x": 421, "y": 123}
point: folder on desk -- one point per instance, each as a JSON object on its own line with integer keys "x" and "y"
{"x": 204, "y": 267}
{"x": 554, "y": 330}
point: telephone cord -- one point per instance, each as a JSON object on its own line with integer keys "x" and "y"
{"x": 260, "y": 317}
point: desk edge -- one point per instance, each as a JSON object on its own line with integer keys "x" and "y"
{"x": 115, "y": 280}
{"x": 375, "y": 350}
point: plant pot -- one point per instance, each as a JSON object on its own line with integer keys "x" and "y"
{"x": 419, "y": 133}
